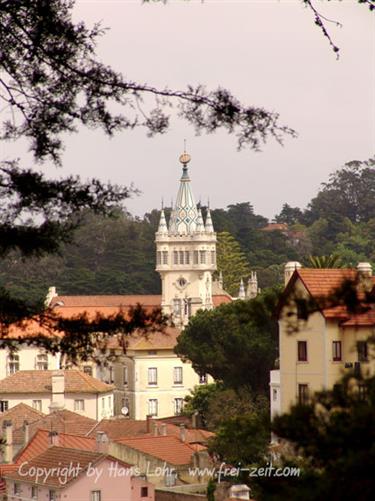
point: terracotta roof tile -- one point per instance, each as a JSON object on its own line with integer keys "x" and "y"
{"x": 35, "y": 381}
{"x": 18, "y": 415}
{"x": 219, "y": 299}
{"x": 322, "y": 282}
{"x": 362, "y": 319}
{"x": 124, "y": 301}
{"x": 41, "y": 442}
{"x": 167, "y": 448}
{"x": 58, "y": 457}
{"x": 63, "y": 421}
{"x": 119, "y": 427}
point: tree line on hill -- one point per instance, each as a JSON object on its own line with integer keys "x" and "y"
{"x": 117, "y": 255}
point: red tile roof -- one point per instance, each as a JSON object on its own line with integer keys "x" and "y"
{"x": 120, "y": 427}
{"x": 167, "y": 448}
{"x": 41, "y": 442}
{"x": 18, "y": 415}
{"x": 59, "y": 458}
{"x": 323, "y": 282}
{"x": 35, "y": 381}
{"x": 362, "y": 319}
{"x": 63, "y": 421}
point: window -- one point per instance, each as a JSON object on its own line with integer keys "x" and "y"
{"x": 96, "y": 496}
{"x": 4, "y": 405}
{"x": 110, "y": 371}
{"x": 362, "y": 391}
{"x": 182, "y": 255}
{"x": 187, "y": 307}
{"x": 202, "y": 378}
{"x": 177, "y": 375}
{"x": 152, "y": 375}
{"x": 336, "y": 351}
{"x": 109, "y": 402}
{"x": 187, "y": 257}
{"x": 79, "y": 405}
{"x": 303, "y": 393}
{"x": 126, "y": 375}
{"x": 52, "y": 495}
{"x": 195, "y": 257}
{"x": 158, "y": 257}
{"x": 177, "y": 307}
{"x": 144, "y": 492}
{"x": 170, "y": 478}
{"x": 302, "y": 351}
{"x": 362, "y": 351}
{"x": 175, "y": 257}
{"x": 13, "y": 364}
{"x": 16, "y": 488}
{"x": 274, "y": 394}
{"x": 42, "y": 362}
{"x": 213, "y": 257}
{"x": 34, "y": 492}
{"x": 103, "y": 403}
{"x": 202, "y": 255}
{"x": 37, "y": 405}
{"x": 178, "y": 406}
{"x": 153, "y": 407}
{"x": 87, "y": 369}
{"x": 165, "y": 257}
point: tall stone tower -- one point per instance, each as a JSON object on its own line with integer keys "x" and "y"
{"x": 185, "y": 255}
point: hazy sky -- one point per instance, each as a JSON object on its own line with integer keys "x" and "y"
{"x": 268, "y": 53}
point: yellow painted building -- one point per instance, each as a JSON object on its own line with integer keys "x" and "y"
{"x": 315, "y": 353}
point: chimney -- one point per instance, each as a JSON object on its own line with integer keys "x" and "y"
{"x": 26, "y": 432}
{"x": 364, "y": 269}
{"x": 194, "y": 420}
{"x": 101, "y": 442}
{"x": 182, "y": 432}
{"x": 155, "y": 430}
{"x": 58, "y": 390}
{"x": 8, "y": 448}
{"x": 53, "y": 438}
{"x": 149, "y": 422}
{"x": 50, "y": 295}
{"x": 289, "y": 269}
{"x": 163, "y": 429}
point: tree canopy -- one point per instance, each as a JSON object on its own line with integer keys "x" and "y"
{"x": 244, "y": 331}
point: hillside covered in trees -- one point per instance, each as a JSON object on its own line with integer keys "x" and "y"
{"x": 117, "y": 256}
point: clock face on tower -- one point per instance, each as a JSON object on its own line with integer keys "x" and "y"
{"x": 182, "y": 282}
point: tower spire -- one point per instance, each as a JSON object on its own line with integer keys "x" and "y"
{"x": 184, "y": 215}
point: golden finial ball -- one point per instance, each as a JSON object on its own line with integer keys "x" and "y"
{"x": 185, "y": 158}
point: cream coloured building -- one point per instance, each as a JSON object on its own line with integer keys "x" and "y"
{"x": 45, "y": 390}
{"x": 316, "y": 353}
{"x": 150, "y": 379}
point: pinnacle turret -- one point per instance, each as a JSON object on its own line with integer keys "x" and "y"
{"x": 163, "y": 227}
{"x": 209, "y": 226}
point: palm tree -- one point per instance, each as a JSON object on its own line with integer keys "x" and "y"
{"x": 331, "y": 261}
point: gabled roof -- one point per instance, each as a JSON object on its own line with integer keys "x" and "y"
{"x": 120, "y": 427}
{"x": 167, "y": 448}
{"x": 63, "y": 421}
{"x": 41, "y": 442}
{"x": 59, "y": 458}
{"x": 18, "y": 415}
{"x": 41, "y": 382}
{"x": 320, "y": 283}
